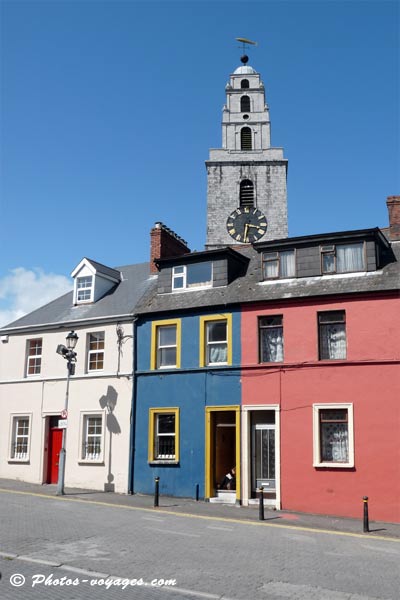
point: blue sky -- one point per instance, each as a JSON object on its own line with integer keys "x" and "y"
{"x": 109, "y": 108}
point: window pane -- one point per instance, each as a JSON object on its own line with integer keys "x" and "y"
{"x": 166, "y": 423}
{"x": 328, "y": 263}
{"x": 165, "y": 446}
{"x": 167, "y": 335}
{"x": 335, "y": 316}
{"x": 84, "y": 282}
{"x": 271, "y": 269}
{"x": 35, "y": 347}
{"x": 350, "y": 258}
{"x": 272, "y": 344}
{"x": 287, "y": 263}
{"x": 167, "y": 357}
{"x": 339, "y": 414}
{"x": 178, "y": 283}
{"x": 96, "y": 341}
{"x": 271, "y": 321}
{"x": 96, "y": 360}
{"x": 217, "y": 353}
{"x": 94, "y": 425}
{"x": 334, "y": 442}
{"x": 216, "y": 331}
{"x": 332, "y": 341}
{"x": 198, "y": 273}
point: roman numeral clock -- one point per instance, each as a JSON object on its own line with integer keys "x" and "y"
{"x": 246, "y": 225}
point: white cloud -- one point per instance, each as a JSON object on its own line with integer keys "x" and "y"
{"x": 25, "y": 290}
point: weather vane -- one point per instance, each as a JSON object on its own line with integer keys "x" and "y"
{"x": 245, "y": 43}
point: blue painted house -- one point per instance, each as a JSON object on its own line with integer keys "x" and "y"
{"x": 187, "y": 381}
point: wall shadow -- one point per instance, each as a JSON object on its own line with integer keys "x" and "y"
{"x": 109, "y": 402}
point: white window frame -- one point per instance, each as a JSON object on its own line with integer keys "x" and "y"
{"x": 31, "y": 359}
{"x": 183, "y": 275}
{"x": 84, "y": 289}
{"x": 83, "y": 437}
{"x": 161, "y": 347}
{"x": 317, "y": 462}
{"x": 95, "y": 351}
{"x": 209, "y": 344}
{"x": 14, "y": 419}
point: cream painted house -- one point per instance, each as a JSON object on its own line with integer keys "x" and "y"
{"x": 33, "y": 382}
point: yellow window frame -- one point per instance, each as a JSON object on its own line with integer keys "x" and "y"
{"x": 153, "y": 412}
{"x": 154, "y": 331}
{"x": 203, "y": 350}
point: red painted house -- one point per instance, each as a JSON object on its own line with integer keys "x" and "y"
{"x": 321, "y": 373}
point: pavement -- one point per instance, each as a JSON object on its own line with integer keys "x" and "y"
{"x": 202, "y": 509}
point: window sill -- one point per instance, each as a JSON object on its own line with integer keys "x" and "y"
{"x": 91, "y": 462}
{"x": 163, "y": 462}
{"x": 19, "y": 461}
{"x": 334, "y": 465}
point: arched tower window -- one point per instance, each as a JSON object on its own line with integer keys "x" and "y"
{"x": 244, "y": 84}
{"x": 246, "y": 195}
{"x": 245, "y": 138}
{"x": 244, "y": 104}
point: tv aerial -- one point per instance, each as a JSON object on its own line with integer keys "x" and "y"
{"x": 245, "y": 42}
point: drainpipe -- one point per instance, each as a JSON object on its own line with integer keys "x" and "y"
{"x": 132, "y": 437}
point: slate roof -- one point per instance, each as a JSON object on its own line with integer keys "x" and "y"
{"x": 103, "y": 269}
{"x": 120, "y": 301}
{"x": 249, "y": 288}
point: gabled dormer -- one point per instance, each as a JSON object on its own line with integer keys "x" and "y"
{"x": 92, "y": 281}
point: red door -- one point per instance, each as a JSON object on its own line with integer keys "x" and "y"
{"x": 55, "y": 440}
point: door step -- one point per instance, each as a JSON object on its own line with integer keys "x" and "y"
{"x": 224, "y": 497}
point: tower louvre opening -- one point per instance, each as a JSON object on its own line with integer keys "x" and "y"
{"x": 245, "y": 138}
{"x": 245, "y": 104}
{"x": 246, "y": 196}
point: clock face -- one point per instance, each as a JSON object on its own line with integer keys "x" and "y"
{"x": 246, "y": 224}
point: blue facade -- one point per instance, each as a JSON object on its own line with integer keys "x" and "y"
{"x": 191, "y": 389}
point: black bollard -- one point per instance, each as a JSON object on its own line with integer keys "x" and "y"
{"x": 366, "y": 520}
{"x": 197, "y": 492}
{"x": 156, "y": 490}
{"x": 261, "y": 505}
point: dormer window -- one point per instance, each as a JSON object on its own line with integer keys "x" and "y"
{"x": 342, "y": 258}
{"x": 279, "y": 265}
{"x": 192, "y": 276}
{"x": 93, "y": 280}
{"x": 84, "y": 289}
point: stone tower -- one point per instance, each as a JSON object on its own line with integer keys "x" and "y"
{"x": 246, "y": 171}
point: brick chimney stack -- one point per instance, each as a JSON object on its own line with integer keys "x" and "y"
{"x": 393, "y": 204}
{"x": 165, "y": 243}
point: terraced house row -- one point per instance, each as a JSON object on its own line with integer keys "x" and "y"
{"x": 264, "y": 360}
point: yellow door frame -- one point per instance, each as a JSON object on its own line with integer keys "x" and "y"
{"x": 209, "y": 484}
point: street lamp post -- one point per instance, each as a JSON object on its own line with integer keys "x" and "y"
{"x": 70, "y": 356}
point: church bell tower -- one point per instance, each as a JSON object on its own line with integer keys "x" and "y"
{"x": 246, "y": 196}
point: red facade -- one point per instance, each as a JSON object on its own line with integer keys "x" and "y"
{"x": 368, "y": 380}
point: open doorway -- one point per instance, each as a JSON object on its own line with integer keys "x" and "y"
{"x": 222, "y": 448}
